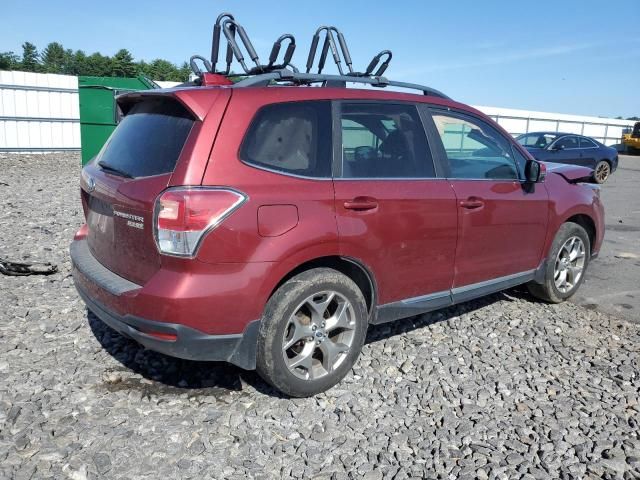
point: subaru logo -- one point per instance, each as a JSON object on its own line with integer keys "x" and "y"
{"x": 91, "y": 184}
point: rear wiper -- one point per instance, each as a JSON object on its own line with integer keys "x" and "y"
{"x": 116, "y": 170}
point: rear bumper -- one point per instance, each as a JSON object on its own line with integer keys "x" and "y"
{"x": 99, "y": 287}
{"x": 181, "y": 341}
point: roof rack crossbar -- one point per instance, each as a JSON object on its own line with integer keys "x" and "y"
{"x": 286, "y": 75}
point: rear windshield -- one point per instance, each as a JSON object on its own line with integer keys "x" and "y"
{"x": 148, "y": 140}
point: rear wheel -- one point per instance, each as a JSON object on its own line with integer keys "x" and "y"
{"x": 566, "y": 265}
{"x": 602, "y": 171}
{"x": 312, "y": 332}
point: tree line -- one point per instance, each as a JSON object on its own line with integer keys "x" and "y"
{"x": 56, "y": 59}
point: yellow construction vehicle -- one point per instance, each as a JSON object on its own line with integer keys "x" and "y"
{"x": 631, "y": 141}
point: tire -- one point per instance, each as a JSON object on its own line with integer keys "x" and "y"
{"x": 602, "y": 171}
{"x": 293, "y": 331}
{"x": 549, "y": 290}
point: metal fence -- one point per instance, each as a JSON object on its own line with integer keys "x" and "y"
{"x": 606, "y": 130}
{"x": 38, "y": 112}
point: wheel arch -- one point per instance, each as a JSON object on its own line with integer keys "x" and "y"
{"x": 351, "y": 267}
{"x": 586, "y": 222}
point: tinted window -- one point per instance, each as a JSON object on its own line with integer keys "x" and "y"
{"x": 567, "y": 142}
{"x": 475, "y": 149}
{"x": 536, "y": 140}
{"x": 586, "y": 143}
{"x": 291, "y": 137}
{"x": 149, "y": 139}
{"x": 384, "y": 141}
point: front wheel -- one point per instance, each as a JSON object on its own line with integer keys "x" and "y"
{"x": 566, "y": 265}
{"x": 311, "y": 333}
{"x": 602, "y": 171}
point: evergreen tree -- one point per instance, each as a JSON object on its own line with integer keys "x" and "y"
{"x": 97, "y": 65}
{"x": 53, "y": 58}
{"x": 30, "y": 58}
{"x": 162, "y": 70}
{"x": 77, "y": 62}
{"x": 9, "y": 61}
{"x": 122, "y": 64}
{"x": 184, "y": 72}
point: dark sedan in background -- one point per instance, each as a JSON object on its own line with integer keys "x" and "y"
{"x": 574, "y": 149}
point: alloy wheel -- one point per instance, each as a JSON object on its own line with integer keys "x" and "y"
{"x": 602, "y": 172}
{"x": 569, "y": 264}
{"x": 319, "y": 335}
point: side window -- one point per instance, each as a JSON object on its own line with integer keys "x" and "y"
{"x": 520, "y": 159}
{"x": 291, "y": 137}
{"x": 587, "y": 143}
{"x": 567, "y": 143}
{"x": 384, "y": 141}
{"x": 475, "y": 150}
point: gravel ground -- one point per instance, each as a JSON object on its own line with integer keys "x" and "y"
{"x": 504, "y": 387}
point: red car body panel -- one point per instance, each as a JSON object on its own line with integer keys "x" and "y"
{"x": 408, "y": 240}
{"x": 502, "y": 233}
{"x": 128, "y": 252}
{"x": 418, "y": 239}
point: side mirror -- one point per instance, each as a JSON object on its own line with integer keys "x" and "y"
{"x": 535, "y": 172}
{"x": 557, "y": 147}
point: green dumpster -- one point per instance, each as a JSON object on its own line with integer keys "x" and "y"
{"x": 98, "y": 112}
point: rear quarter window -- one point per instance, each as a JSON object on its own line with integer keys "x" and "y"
{"x": 149, "y": 139}
{"x": 292, "y": 138}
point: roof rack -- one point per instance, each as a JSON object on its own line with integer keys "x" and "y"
{"x": 297, "y": 78}
{"x": 265, "y": 74}
{"x": 329, "y": 42}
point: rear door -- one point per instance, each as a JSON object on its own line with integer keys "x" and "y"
{"x": 502, "y": 221}
{"x": 393, "y": 214}
{"x": 588, "y": 151}
{"x": 120, "y": 186}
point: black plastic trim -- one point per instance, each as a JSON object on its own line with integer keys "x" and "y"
{"x": 191, "y": 344}
{"x": 426, "y": 303}
{"x": 265, "y": 79}
{"x": 411, "y": 307}
{"x": 480, "y": 289}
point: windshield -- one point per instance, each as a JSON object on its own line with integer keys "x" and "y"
{"x": 536, "y": 140}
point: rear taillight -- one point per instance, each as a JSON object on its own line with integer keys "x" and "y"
{"x": 183, "y": 216}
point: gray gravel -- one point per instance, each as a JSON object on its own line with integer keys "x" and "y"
{"x": 504, "y": 387}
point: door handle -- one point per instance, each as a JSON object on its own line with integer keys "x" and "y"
{"x": 361, "y": 204}
{"x": 472, "y": 203}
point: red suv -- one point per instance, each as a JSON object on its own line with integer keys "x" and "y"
{"x": 269, "y": 225}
